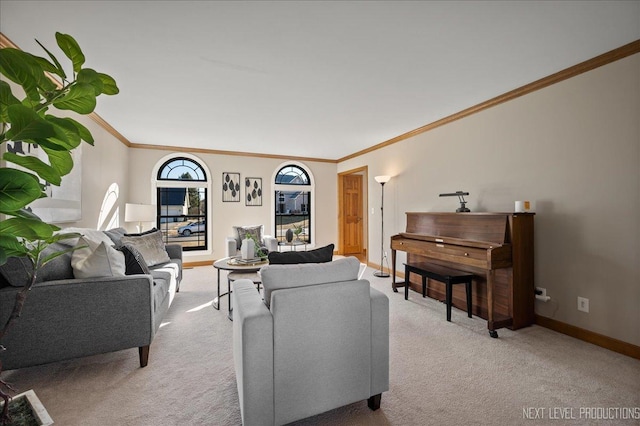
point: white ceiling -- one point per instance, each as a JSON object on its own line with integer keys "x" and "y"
{"x": 313, "y": 79}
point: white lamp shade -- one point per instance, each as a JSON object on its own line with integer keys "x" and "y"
{"x": 139, "y": 212}
{"x": 382, "y": 179}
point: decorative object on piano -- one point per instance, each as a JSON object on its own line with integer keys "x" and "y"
{"x": 523, "y": 206}
{"x": 381, "y": 273}
{"x": 463, "y": 204}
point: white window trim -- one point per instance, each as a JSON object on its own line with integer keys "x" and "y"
{"x": 283, "y": 187}
{"x": 155, "y": 183}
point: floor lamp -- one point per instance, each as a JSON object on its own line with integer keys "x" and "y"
{"x": 381, "y": 273}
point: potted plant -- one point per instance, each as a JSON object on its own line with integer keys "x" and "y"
{"x": 27, "y": 122}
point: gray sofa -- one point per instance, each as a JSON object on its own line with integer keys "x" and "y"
{"x": 65, "y": 317}
{"x": 319, "y": 340}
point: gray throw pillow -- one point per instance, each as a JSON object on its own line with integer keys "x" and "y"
{"x": 150, "y": 245}
{"x": 17, "y": 270}
{"x": 255, "y": 231}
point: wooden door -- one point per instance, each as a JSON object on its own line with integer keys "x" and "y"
{"x": 352, "y": 192}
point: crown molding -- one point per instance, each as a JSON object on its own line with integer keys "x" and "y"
{"x": 588, "y": 65}
{"x": 236, "y": 153}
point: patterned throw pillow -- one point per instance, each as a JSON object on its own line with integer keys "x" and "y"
{"x": 150, "y": 245}
{"x": 242, "y": 231}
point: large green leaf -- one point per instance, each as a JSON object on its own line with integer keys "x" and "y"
{"x": 109, "y": 86}
{"x": 27, "y": 124}
{"x": 89, "y": 76}
{"x": 81, "y": 98}
{"x": 71, "y": 48}
{"x": 17, "y": 189}
{"x": 29, "y": 229}
{"x": 58, "y": 68}
{"x": 35, "y": 164}
{"x": 19, "y": 67}
{"x": 6, "y": 99}
{"x": 10, "y": 246}
{"x": 84, "y": 133}
{"x": 66, "y": 132}
{"x": 61, "y": 161}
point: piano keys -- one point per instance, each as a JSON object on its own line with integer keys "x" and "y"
{"x": 496, "y": 247}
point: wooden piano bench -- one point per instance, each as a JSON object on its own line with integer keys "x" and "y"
{"x": 440, "y": 273}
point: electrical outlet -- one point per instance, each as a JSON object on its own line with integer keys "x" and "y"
{"x": 583, "y": 304}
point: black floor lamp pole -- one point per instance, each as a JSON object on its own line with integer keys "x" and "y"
{"x": 382, "y": 180}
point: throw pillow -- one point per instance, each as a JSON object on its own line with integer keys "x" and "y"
{"x": 133, "y": 260}
{"x": 90, "y": 234}
{"x": 150, "y": 246}
{"x": 320, "y": 255}
{"x": 96, "y": 260}
{"x": 240, "y": 232}
{"x": 17, "y": 270}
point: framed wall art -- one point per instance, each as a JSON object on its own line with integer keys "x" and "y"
{"x": 230, "y": 187}
{"x": 253, "y": 188}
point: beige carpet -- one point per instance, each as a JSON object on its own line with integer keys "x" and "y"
{"x": 441, "y": 373}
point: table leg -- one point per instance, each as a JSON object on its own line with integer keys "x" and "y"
{"x": 216, "y": 301}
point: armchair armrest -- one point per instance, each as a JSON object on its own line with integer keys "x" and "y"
{"x": 231, "y": 246}
{"x": 253, "y": 353}
{"x": 271, "y": 243}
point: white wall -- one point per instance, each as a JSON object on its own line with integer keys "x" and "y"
{"x": 574, "y": 149}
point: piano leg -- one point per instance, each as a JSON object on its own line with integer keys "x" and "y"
{"x": 490, "y": 278}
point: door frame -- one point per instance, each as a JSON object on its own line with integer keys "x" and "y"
{"x": 364, "y": 171}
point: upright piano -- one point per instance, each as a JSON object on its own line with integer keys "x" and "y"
{"x": 497, "y": 248}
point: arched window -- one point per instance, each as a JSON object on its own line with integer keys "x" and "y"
{"x": 293, "y": 204}
{"x": 181, "y": 197}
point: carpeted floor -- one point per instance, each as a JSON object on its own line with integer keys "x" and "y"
{"x": 441, "y": 373}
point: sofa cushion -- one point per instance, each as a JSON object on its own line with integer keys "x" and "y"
{"x": 133, "y": 260}
{"x": 88, "y": 233}
{"x": 96, "y": 260}
{"x": 150, "y": 245}
{"x": 320, "y": 255}
{"x": 276, "y": 277}
{"x": 116, "y": 235}
{"x": 17, "y": 271}
{"x": 256, "y": 231}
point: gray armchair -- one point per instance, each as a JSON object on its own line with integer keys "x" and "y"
{"x": 233, "y": 242}
{"x": 319, "y": 340}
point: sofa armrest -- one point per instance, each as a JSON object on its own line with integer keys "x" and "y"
{"x": 271, "y": 243}
{"x": 253, "y": 354}
{"x": 174, "y": 251}
{"x": 379, "y": 341}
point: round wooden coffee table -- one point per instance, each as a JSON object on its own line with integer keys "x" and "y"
{"x": 234, "y": 264}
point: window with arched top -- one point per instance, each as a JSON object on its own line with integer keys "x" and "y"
{"x": 293, "y": 199}
{"x": 181, "y": 197}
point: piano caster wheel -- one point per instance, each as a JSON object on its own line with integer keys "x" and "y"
{"x": 493, "y": 334}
